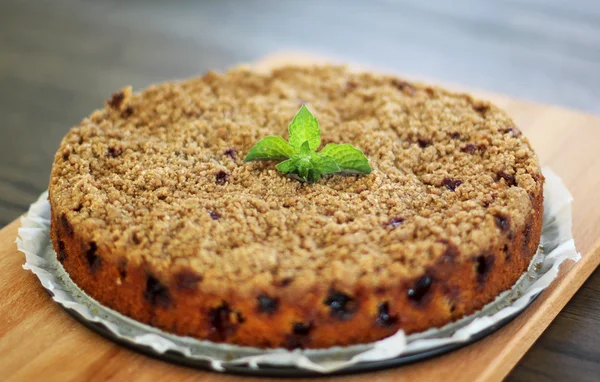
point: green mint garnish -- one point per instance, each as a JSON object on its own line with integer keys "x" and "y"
{"x": 300, "y": 156}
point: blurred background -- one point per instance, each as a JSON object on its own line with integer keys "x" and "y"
{"x": 61, "y": 59}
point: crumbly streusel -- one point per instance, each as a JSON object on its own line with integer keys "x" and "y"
{"x": 160, "y": 176}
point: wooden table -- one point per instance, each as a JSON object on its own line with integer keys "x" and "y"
{"x": 60, "y": 60}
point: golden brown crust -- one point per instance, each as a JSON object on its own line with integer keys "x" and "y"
{"x": 467, "y": 227}
{"x": 457, "y": 289}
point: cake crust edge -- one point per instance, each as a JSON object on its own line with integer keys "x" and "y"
{"x": 326, "y": 316}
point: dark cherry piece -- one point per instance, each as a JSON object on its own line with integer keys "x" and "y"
{"x": 503, "y": 222}
{"x": 383, "y": 315}
{"x": 267, "y": 304}
{"x": 507, "y": 253}
{"x": 114, "y": 152}
{"x": 395, "y": 222}
{"x": 481, "y": 107}
{"x": 219, "y": 319}
{"x": 221, "y": 177}
{"x": 451, "y": 183}
{"x": 93, "y": 260}
{"x": 116, "y": 100}
{"x": 420, "y": 289}
{"x": 223, "y": 320}
{"x": 299, "y": 336}
{"x": 230, "y": 152}
{"x": 515, "y": 131}
{"x": 127, "y": 112}
{"x": 341, "y": 305}
{"x": 286, "y": 281}
{"x": 301, "y": 329}
{"x": 135, "y": 238}
{"x": 423, "y": 142}
{"x": 66, "y": 225}
{"x": 509, "y": 179}
{"x": 122, "y": 267}
{"x": 483, "y": 266}
{"x": 62, "y": 255}
{"x": 469, "y": 148}
{"x": 187, "y": 280}
{"x": 214, "y": 215}
{"x": 156, "y": 293}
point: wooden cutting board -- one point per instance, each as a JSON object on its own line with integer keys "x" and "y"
{"x": 39, "y": 341}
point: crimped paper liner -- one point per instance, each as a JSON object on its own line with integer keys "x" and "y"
{"x": 556, "y": 246}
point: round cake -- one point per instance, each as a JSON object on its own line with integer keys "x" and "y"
{"x": 155, "y": 213}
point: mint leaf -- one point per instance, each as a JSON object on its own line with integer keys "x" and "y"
{"x": 305, "y": 149}
{"x": 305, "y": 128}
{"x": 324, "y": 163}
{"x": 270, "y": 148}
{"x": 303, "y": 162}
{"x": 348, "y": 158}
{"x": 313, "y": 176}
{"x": 303, "y": 167}
{"x": 287, "y": 166}
{"x": 300, "y": 157}
{"x": 308, "y": 166}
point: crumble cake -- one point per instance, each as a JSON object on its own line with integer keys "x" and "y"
{"x": 155, "y": 214}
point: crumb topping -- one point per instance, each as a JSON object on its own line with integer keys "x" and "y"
{"x": 158, "y": 178}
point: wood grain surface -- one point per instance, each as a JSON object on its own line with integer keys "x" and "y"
{"x": 61, "y": 59}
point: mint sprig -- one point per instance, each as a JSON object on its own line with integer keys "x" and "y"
{"x": 299, "y": 153}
